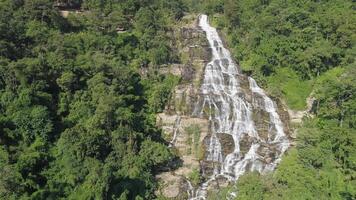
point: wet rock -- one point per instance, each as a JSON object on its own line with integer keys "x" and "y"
{"x": 199, "y": 52}
{"x": 284, "y": 116}
{"x": 268, "y": 160}
{"x": 268, "y": 152}
{"x": 188, "y": 73}
{"x": 189, "y": 33}
{"x": 218, "y": 183}
{"x": 227, "y": 143}
{"x": 262, "y": 124}
{"x": 208, "y": 168}
{"x": 245, "y": 144}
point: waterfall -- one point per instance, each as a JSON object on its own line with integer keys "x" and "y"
{"x": 223, "y": 101}
{"x": 175, "y": 131}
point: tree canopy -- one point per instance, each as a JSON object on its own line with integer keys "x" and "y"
{"x": 76, "y": 118}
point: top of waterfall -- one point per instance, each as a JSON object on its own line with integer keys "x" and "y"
{"x": 219, "y": 52}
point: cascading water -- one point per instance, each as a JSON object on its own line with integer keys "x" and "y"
{"x": 175, "y": 131}
{"x": 224, "y": 102}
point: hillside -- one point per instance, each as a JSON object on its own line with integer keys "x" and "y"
{"x": 79, "y": 98}
{"x": 152, "y": 99}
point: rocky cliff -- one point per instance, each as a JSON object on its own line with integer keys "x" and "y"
{"x": 193, "y": 128}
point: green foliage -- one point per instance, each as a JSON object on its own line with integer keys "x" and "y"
{"x": 77, "y": 119}
{"x": 285, "y": 83}
{"x": 222, "y": 193}
{"x": 195, "y": 177}
{"x": 159, "y": 91}
{"x": 193, "y": 132}
{"x": 154, "y": 153}
{"x": 269, "y": 36}
{"x": 335, "y": 91}
{"x": 251, "y": 187}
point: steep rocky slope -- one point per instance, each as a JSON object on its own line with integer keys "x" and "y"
{"x": 184, "y": 132}
{"x": 207, "y": 129}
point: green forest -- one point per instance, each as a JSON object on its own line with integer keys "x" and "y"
{"x": 79, "y": 94}
{"x": 77, "y": 120}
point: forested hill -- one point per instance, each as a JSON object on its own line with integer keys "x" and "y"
{"x": 76, "y": 117}
{"x": 79, "y": 94}
{"x": 296, "y": 49}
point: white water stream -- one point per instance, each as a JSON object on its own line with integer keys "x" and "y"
{"x": 224, "y": 102}
{"x": 175, "y": 131}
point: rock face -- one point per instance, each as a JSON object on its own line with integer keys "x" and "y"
{"x": 297, "y": 116}
{"x": 184, "y": 132}
{"x": 171, "y": 185}
{"x": 227, "y": 143}
{"x": 219, "y": 121}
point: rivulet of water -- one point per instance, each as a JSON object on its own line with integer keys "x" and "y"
{"x": 222, "y": 99}
{"x": 175, "y": 131}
